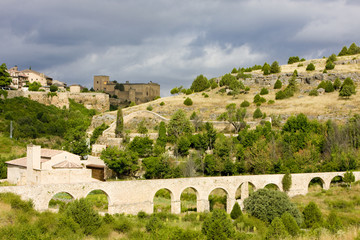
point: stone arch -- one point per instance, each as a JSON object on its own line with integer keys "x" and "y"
{"x": 162, "y": 205}
{"x": 59, "y": 198}
{"x": 218, "y": 198}
{"x": 97, "y": 198}
{"x": 336, "y": 181}
{"x": 244, "y": 190}
{"x": 316, "y": 181}
{"x": 272, "y": 186}
{"x": 187, "y": 201}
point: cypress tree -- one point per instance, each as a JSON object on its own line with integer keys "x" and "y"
{"x": 290, "y": 224}
{"x": 278, "y": 84}
{"x": 286, "y": 182}
{"x": 236, "y": 211}
{"x": 312, "y": 215}
{"x": 119, "y": 130}
{"x": 276, "y": 230}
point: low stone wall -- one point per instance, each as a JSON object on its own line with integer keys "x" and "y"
{"x": 98, "y": 101}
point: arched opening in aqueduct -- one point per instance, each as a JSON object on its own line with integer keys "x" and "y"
{"x": 189, "y": 199}
{"x": 316, "y": 184}
{"x": 99, "y": 199}
{"x": 239, "y": 194}
{"x": 162, "y": 200}
{"x": 218, "y": 199}
{"x": 337, "y": 181}
{"x": 272, "y": 186}
{"x": 60, "y": 199}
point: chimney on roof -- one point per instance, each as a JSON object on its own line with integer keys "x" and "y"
{"x": 33, "y": 155}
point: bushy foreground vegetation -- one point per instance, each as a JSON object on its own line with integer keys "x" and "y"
{"x": 320, "y": 214}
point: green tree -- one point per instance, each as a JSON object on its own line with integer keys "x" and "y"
{"x": 329, "y": 87}
{"x": 310, "y": 67}
{"x": 227, "y": 79}
{"x": 218, "y": 226}
{"x": 53, "y": 88}
{"x": 266, "y": 69}
{"x": 83, "y": 214}
{"x": 329, "y": 66}
{"x": 35, "y": 86}
{"x": 236, "y": 211}
{"x": 200, "y": 84}
{"x": 157, "y": 168}
{"x": 276, "y": 230}
{"x": 183, "y": 146}
{"x": 235, "y": 116}
{"x": 119, "y": 129}
{"x": 213, "y": 84}
{"x": 210, "y": 134}
{"x": 179, "y": 125}
{"x": 123, "y": 163}
{"x": 312, "y": 215}
{"x": 278, "y": 84}
{"x": 332, "y": 58}
{"x": 346, "y": 91}
{"x": 162, "y": 138}
{"x": 5, "y": 79}
{"x": 349, "y": 178}
{"x": 257, "y": 113}
{"x": 337, "y": 84}
{"x": 245, "y": 104}
{"x": 293, "y": 60}
{"x": 234, "y": 70}
{"x": 143, "y": 146}
{"x": 290, "y": 224}
{"x": 286, "y": 182}
{"x": 343, "y": 52}
{"x": 188, "y": 102}
{"x": 264, "y": 91}
{"x": 175, "y": 90}
{"x": 353, "y": 49}
{"x": 267, "y": 204}
{"x": 275, "y": 68}
{"x": 349, "y": 82}
{"x": 333, "y": 222}
{"x": 141, "y": 128}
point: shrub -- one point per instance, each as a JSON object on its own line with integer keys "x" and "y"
{"x": 337, "y": 84}
{"x": 162, "y": 104}
{"x": 313, "y": 92}
{"x": 83, "y": 214}
{"x": 97, "y": 132}
{"x": 236, "y": 211}
{"x": 266, "y": 69}
{"x": 245, "y": 104}
{"x": 332, "y": 58}
{"x": 174, "y": 90}
{"x": 271, "y": 101}
{"x": 149, "y": 108}
{"x": 188, "y": 102}
{"x": 256, "y": 98}
{"x": 343, "y": 52}
{"x": 218, "y": 226}
{"x": 206, "y": 96}
{"x": 257, "y": 113}
{"x": 278, "y": 84}
{"x": 290, "y": 224}
{"x": 322, "y": 84}
{"x": 333, "y": 222}
{"x": 188, "y": 91}
{"x": 280, "y": 95}
{"x": 293, "y": 60}
{"x": 199, "y": 84}
{"x": 329, "y": 87}
{"x": 267, "y": 204}
{"x": 312, "y": 215}
{"x": 300, "y": 65}
{"x": 153, "y": 224}
{"x": 264, "y": 91}
{"x": 346, "y": 91}
{"x": 329, "y": 65}
{"x": 276, "y": 230}
{"x": 286, "y": 182}
{"x": 247, "y": 89}
{"x": 295, "y": 73}
{"x": 213, "y": 84}
{"x": 142, "y": 215}
{"x": 34, "y": 86}
{"x": 53, "y": 88}
{"x": 310, "y": 67}
{"x": 348, "y": 82}
{"x": 275, "y": 68}
{"x": 234, "y": 70}
{"x": 132, "y": 104}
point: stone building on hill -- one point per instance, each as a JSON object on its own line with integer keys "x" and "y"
{"x": 19, "y": 78}
{"x": 130, "y": 92}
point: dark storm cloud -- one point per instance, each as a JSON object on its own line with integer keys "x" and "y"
{"x": 169, "y": 42}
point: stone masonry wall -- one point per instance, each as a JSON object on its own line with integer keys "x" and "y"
{"x": 98, "y": 101}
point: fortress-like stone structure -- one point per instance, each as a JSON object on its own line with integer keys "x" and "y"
{"x": 130, "y": 197}
{"x": 130, "y": 92}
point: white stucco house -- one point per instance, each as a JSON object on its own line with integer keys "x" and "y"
{"x": 47, "y": 166}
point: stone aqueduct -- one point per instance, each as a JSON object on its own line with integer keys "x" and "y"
{"x": 130, "y": 197}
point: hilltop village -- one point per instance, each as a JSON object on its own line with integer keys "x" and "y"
{"x": 263, "y": 152}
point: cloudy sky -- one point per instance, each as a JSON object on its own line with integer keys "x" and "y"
{"x": 168, "y": 42}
